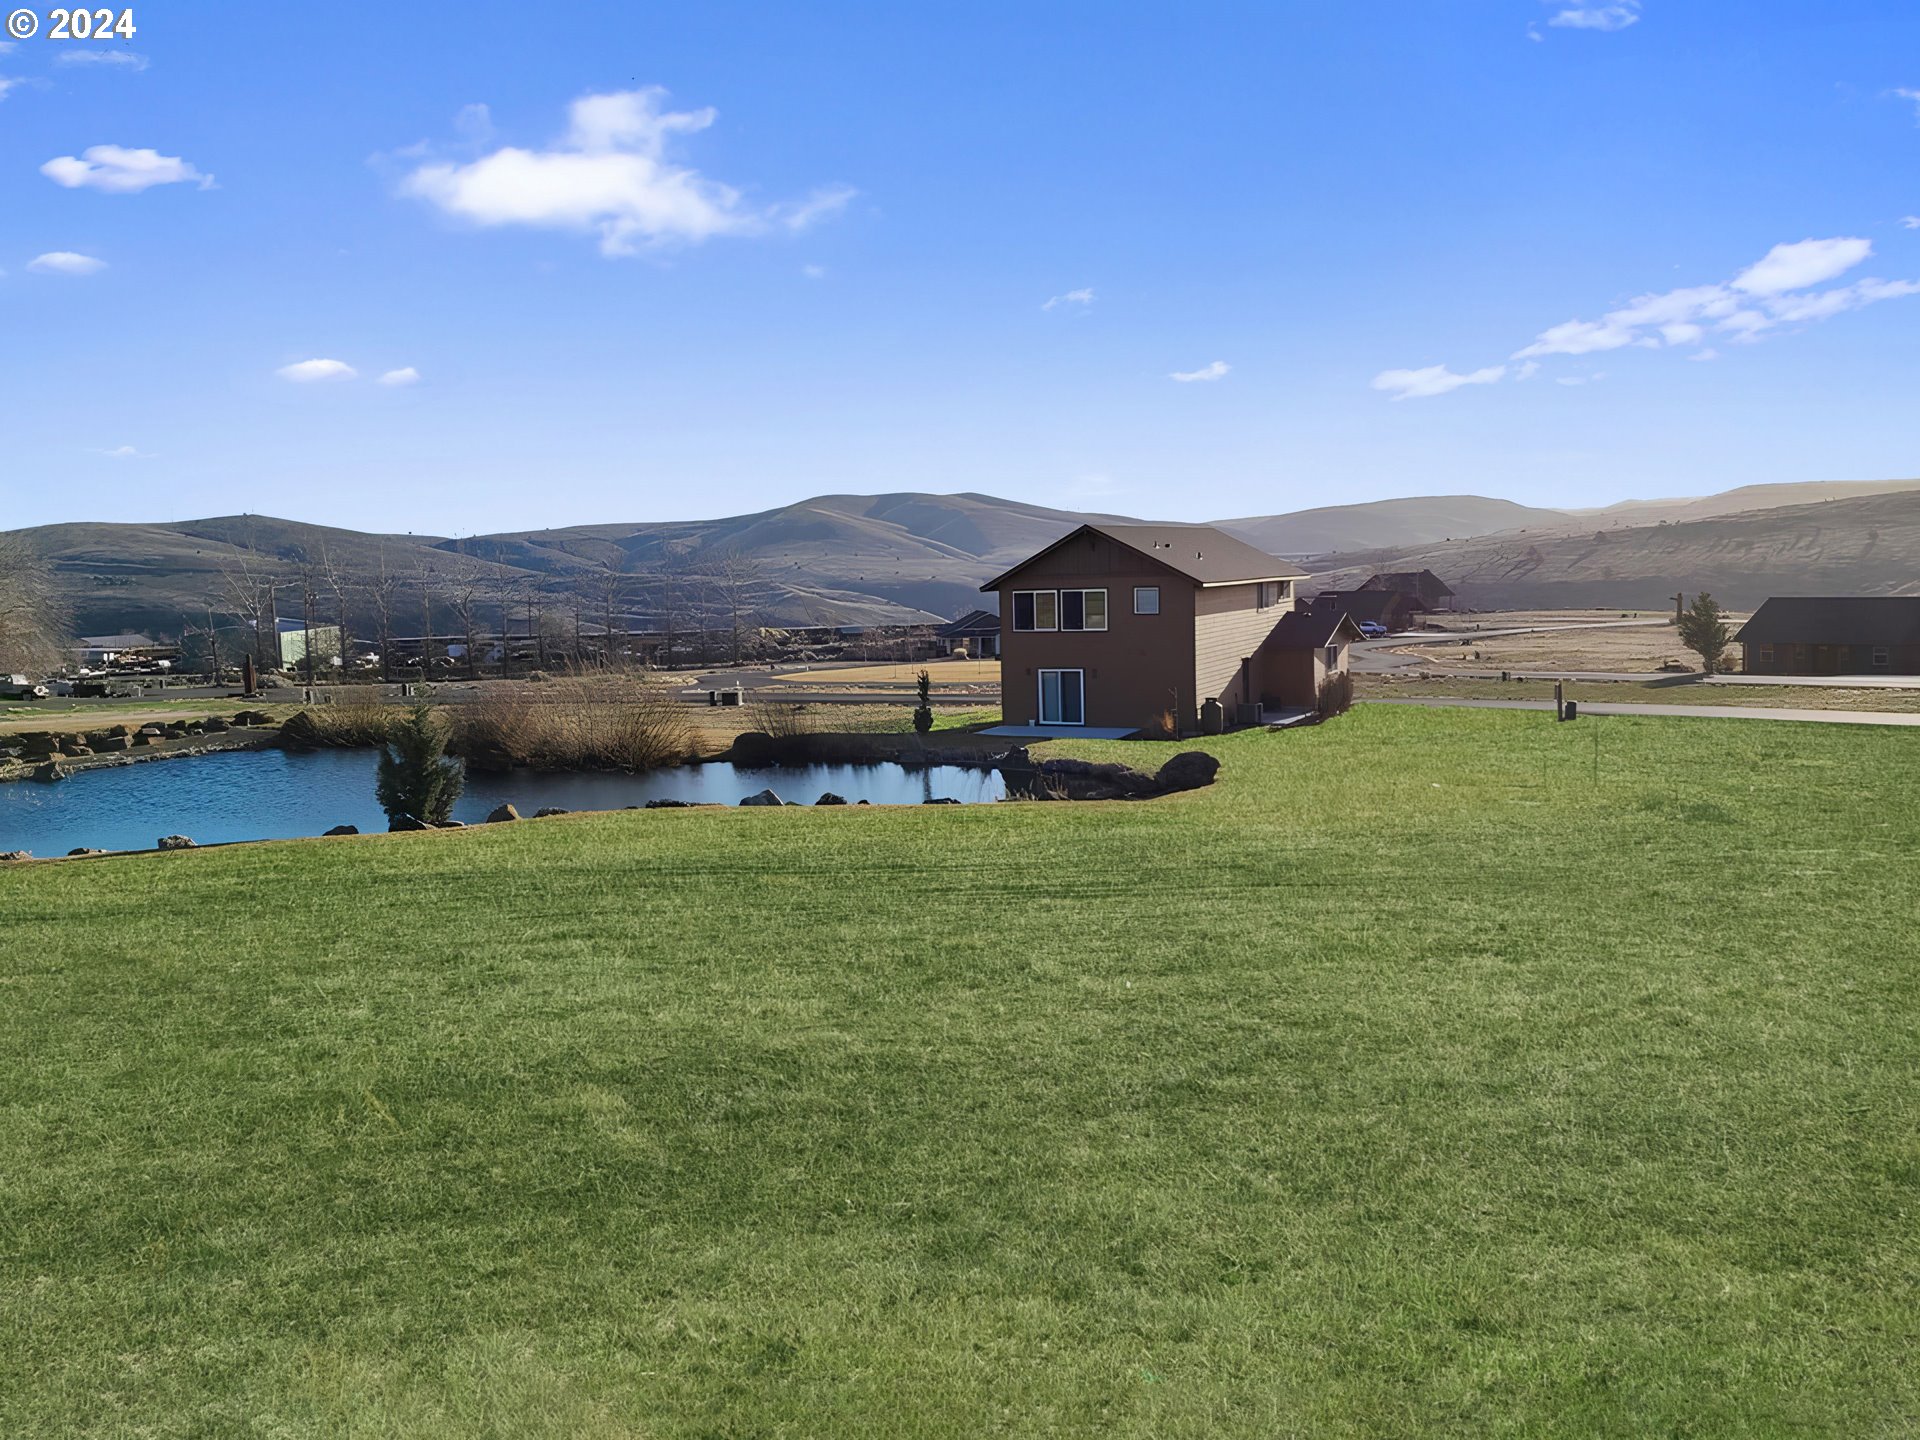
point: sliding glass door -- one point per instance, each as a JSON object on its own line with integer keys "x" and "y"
{"x": 1063, "y": 697}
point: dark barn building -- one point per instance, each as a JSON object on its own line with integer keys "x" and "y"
{"x": 1423, "y": 589}
{"x": 1833, "y": 635}
{"x": 1382, "y": 607}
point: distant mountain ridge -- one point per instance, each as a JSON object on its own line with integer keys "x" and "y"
{"x": 908, "y": 556}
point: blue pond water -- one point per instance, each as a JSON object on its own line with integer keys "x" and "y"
{"x": 277, "y": 795}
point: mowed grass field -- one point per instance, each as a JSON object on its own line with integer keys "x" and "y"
{"x": 1434, "y": 1073}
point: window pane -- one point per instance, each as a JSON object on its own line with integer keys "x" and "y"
{"x": 1045, "y": 611}
{"x": 1096, "y": 610}
{"x": 1072, "y": 700}
{"x": 1049, "y": 697}
{"x": 1072, "y": 610}
{"x": 1023, "y": 610}
{"x": 1146, "y": 599}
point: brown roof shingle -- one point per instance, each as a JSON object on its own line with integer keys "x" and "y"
{"x": 1203, "y": 554}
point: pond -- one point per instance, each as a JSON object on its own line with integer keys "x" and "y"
{"x": 278, "y": 795}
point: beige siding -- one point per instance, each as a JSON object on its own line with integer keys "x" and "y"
{"x": 1227, "y": 630}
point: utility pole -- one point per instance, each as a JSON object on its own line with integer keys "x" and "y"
{"x": 1679, "y": 606}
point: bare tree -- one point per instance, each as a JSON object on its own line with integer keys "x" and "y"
{"x": 383, "y": 593}
{"x": 339, "y": 585}
{"x": 32, "y": 622}
{"x": 735, "y": 581}
{"x": 464, "y": 594}
{"x": 250, "y": 591}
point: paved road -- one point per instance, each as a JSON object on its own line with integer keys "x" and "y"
{"x": 1694, "y": 712}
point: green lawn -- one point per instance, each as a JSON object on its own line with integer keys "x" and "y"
{"x": 1435, "y": 1073}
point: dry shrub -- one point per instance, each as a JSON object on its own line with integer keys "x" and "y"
{"x": 1336, "y": 695}
{"x": 781, "y": 721}
{"x": 344, "y": 723}
{"x": 576, "y": 723}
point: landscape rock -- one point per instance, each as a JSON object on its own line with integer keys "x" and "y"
{"x": 48, "y": 773}
{"x": 7, "y": 857}
{"x": 176, "y": 842}
{"x": 546, "y": 810}
{"x": 405, "y": 823}
{"x": 941, "y": 800}
{"x": 863, "y": 802}
{"x": 252, "y": 717}
{"x": 344, "y": 830}
{"x": 501, "y": 813}
{"x": 115, "y": 742}
{"x": 74, "y": 750}
{"x": 1189, "y": 770}
{"x": 765, "y": 797}
{"x": 829, "y": 798}
{"x": 83, "y": 850}
{"x": 214, "y": 725}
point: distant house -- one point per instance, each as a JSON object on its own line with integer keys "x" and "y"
{"x": 1424, "y": 589}
{"x": 293, "y": 643}
{"x": 1381, "y": 607}
{"x": 978, "y": 630}
{"x": 1130, "y": 626}
{"x": 1833, "y": 635}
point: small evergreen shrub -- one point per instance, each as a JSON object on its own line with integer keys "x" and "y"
{"x": 416, "y": 783}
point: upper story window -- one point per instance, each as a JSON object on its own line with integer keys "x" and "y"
{"x": 1146, "y": 599}
{"x": 1036, "y": 610}
{"x": 1059, "y": 610}
{"x": 1271, "y": 593}
{"x": 1083, "y": 609}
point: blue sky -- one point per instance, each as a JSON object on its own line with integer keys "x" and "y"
{"x": 628, "y": 262}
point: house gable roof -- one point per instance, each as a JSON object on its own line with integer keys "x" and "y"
{"x": 1418, "y": 583}
{"x": 1309, "y": 630}
{"x": 1203, "y": 554}
{"x": 974, "y": 622}
{"x": 1835, "y": 620}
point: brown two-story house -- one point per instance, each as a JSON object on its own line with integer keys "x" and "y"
{"x": 1130, "y": 626}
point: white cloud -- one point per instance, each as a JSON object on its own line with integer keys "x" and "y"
{"x": 305, "y": 372}
{"x": 814, "y": 272}
{"x": 8, "y": 82}
{"x": 1804, "y": 263}
{"x": 1526, "y": 370}
{"x": 1912, "y": 222}
{"x": 65, "y": 262}
{"x": 83, "y": 55}
{"x": 1775, "y": 290}
{"x": 1206, "y": 372}
{"x": 610, "y": 175}
{"x": 1599, "y": 17}
{"x": 1072, "y": 297}
{"x": 125, "y": 452}
{"x": 1434, "y": 380}
{"x": 1914, "y": 96}
{"x": 1707, "y": 354}
{"x": 406, "y": 375}
{"x": 120, "y": 171}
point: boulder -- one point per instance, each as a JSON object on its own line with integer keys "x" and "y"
{"x": 829, "y": 798}
{"x": 344, "y": 830}
{"x": 152, "y": 732}
{"x": 502, "y": 812}
{"x": 74, "y": 750}
{"x": 115, "y": 742}
{"x": 8, "y": 857}
{"x": 38, "y": 742}
{"x": 1189, "y": 770}
{"x": 176, "y": 842}
{"x": 145, "y": 739}
{"x": 214, "y": 725}
{"x": 405, "y": 822}
{"x": 83, "y": 850}
{"x": 48, "y": 773}
{"x": 765, "y": 797}
{"x": 545, "y": 810}
{"x": 941, "y": 800}
{"x": 252, "y": 717}
{"x": 863, "y": 802}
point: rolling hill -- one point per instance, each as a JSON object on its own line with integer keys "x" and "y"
{"x": 1864, "y": 545}
{"x": 905, "y": 557}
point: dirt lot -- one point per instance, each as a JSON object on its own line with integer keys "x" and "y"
{"x": 945, "y": 674}
{"x": 1626, "y": 649}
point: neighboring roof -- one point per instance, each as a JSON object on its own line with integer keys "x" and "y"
{"x": 1835, "y": 620}
{"x": 974, "y": 622}
{"x": 119, "y": 642}
{"x": 1303, "y": 630}
{"x": 1409, "y": 582}
{"x": 1372, "y": 605}
{"x": 1201, "y": 553}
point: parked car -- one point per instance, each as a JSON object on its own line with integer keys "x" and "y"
{"x": 1373, "y": 629}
